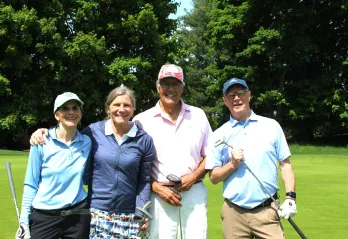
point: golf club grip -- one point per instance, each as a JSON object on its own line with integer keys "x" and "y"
{"x": 293, "y": 224}
{"x": 9, "y": 174}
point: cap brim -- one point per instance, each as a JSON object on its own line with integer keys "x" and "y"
{"x": 170, "y": 77}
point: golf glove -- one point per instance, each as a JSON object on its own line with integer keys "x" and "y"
{"x": 23, "y": 232}
{"x": 287, "y": 209}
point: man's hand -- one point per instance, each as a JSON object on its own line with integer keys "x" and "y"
{"x": 167, "y": 194}
{"x": 287, "y": 209}
{"x": 37, "y": 137}
{"x": 187, "y": 182}
{"x": 23, "y": 232}
{"x": 237, "y": 156}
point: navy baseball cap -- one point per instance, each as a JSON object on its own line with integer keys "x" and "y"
{"x": 232, "y": 82}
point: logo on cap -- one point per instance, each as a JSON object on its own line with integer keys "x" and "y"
{"x": 171, "y": 70}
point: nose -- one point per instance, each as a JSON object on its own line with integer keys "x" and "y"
{"x": 122, "y": 108}
{"x": 70, "y": 111}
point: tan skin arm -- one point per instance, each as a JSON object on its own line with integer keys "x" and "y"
{"x": 188, "y": 180}
{"x": 219, "y": 174}
{"x": 37, "y": 137}
{"x": 288, "y": 176}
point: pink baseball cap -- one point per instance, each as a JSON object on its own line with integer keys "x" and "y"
{"x": 171, "y": 71}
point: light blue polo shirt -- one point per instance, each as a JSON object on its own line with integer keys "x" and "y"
{"x": 54, "y": 173}
{"x": 264, "y": 145}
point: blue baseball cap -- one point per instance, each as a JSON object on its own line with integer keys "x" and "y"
{"x": 232, "y": 82}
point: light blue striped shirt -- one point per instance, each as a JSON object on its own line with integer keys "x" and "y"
{"x": 264, "y": 145}
{"x": 54, "y": 173}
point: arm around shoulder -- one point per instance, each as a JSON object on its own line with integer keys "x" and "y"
{"x": 38, "y": 136}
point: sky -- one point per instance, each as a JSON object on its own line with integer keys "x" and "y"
{"x": 181, "y": 9}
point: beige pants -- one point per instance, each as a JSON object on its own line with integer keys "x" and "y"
{"x": 239, "y": 223}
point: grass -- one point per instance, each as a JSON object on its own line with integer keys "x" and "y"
{"x": 321, "y": 186}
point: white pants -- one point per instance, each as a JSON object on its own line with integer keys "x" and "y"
{"x": 165, "y": 223}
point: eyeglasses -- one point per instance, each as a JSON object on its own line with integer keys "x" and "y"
{"x": 238, "y": 93}
{"x": 167, "y": 85}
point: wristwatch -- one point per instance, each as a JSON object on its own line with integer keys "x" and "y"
{"x": 291, "y": 194}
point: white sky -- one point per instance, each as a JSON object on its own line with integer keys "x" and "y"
{"x": 181, "y": 9}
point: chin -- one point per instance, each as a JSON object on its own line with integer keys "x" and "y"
{"x": 121, "y": 121}
{"x": 171, "y": 101}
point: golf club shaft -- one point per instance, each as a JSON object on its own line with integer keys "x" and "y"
{"x": 179, "y": 210}
{"x": 13, "y": 191}
{"x": 293, "y": 224}
{"x": 297, "y": 229}
{"x": 177, "y": 181}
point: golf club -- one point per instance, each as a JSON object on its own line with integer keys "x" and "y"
{"x": 146, "y": 215}
{"x": 219, "y": 142}
{"x": 177, "y": 181}
{"x": 13, "y": 191}
{"x": 144, "y": 211}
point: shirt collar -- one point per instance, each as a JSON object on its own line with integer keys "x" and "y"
{"x": 157, "y": 109}
{"x": 252, "y": 117}
{"x": 53, "y": 135}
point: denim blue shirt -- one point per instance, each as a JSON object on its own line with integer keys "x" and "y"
{"x": 54, "y": 173}
{"x": 264, "y": 145}
{"x": 119, "y": 174}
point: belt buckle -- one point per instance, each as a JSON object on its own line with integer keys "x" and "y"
{"x": 65, "y": 213}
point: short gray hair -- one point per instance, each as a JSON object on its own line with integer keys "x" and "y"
{"x": 118, "y": 91}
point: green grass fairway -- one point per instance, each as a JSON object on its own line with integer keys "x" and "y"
{"x": 321, "y": 186}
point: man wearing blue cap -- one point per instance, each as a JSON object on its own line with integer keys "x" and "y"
{"x": 248, "y": 210}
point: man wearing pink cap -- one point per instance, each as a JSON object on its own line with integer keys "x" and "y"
{"x": 181, "y": 133}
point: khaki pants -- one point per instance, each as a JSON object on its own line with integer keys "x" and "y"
{"x": 240, "y": 223}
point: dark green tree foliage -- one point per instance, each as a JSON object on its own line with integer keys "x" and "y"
{"x": 196, "y": 56}
{"x": 87, "y": 47}
{"x": 293, "y": 55}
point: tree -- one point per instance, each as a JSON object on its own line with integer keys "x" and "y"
{"x": 87, "y": 47}
{"x": 292, "y": 55}
{"x": 197, "y": 57}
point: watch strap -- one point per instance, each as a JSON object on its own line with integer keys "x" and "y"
{"x": 291, "y": 194}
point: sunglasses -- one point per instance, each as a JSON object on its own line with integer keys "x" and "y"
{"x": 238, "y": 93}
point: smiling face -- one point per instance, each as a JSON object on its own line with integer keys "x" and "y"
{"x": 121, "y": 110}
{"x": 237, "y": 100}
{"x": 170, "y": 91}
{"x": 69, "y": 114}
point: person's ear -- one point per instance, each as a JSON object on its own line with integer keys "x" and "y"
{"x": 106, "y": 107}
{"x": 56, "y": 116}
{"x": 224, "y": 99}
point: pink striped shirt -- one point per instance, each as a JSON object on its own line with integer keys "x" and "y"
{"x": 179, "y": 146}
